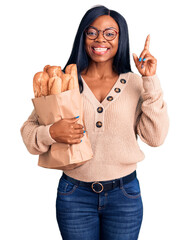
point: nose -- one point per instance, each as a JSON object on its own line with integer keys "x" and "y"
{"x": 100, "y": 37}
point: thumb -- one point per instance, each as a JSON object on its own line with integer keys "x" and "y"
{"x": 135, "y": 58}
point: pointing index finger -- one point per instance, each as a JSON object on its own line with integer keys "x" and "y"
{"x": 147, "y": 42}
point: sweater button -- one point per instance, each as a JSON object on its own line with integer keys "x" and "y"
{"x": 123, "y": 81}
{"x": 110, "y": 98}
{"x": 99, "y": 109}
{"x": 98, "y": 124}
{"x": 117, "y": 90}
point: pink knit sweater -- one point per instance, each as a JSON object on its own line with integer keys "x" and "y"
{"x": 133, "y": 107}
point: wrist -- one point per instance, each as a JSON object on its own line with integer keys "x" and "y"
{"x": 151, "y": 83}
{"x": 150, "y": 75}
{"x": 52, "y": 132}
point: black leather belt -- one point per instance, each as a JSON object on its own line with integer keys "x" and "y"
{"x": 99, "y": 186}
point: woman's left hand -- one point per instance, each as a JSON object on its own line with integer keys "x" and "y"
{"x": 146, "y": 64}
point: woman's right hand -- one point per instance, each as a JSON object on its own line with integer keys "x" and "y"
{"x": 67, "y": 130}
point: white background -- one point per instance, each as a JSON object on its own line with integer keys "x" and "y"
{"x": 37, "y": 33}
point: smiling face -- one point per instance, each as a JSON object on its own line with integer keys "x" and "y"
{"x": 100, "y": 49}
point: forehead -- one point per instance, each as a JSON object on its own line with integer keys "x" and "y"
{"x": 104, "y": 21}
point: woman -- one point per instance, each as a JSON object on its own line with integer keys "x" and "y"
{"x": 102, "y": 199}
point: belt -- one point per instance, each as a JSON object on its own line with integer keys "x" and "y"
{"x": 99, "y": 186}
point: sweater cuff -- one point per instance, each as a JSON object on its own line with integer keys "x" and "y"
{"x": 151, "y": 83}
{"x": 45, "y": 136}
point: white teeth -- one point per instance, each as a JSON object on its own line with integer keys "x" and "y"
{"x": 100, "y": 49}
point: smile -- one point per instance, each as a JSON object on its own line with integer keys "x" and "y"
{"x": 100, "y": 51}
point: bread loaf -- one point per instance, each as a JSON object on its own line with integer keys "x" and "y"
{"x": 72, "y": 70}
{"x": 53, "y": 81}
{"x": 53, "y": 71}
{"x": 46, "y": 67}
{"x": 65, "y": 82}
{"x": 40, "y": 84}
{"x": 54, "y": 85}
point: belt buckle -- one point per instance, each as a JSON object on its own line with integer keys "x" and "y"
{"x": 94, "y": 189}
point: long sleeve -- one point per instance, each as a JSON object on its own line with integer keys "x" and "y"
{"x": 152, "y": 122}
{"x": 36, "y": 137}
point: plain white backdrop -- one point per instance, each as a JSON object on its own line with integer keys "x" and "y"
{"x": 37, "y": 33}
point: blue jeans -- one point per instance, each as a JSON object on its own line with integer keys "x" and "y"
{"x": 83, "y": 214}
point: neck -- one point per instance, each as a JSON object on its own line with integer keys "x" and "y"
{"x": 100, "y": 70}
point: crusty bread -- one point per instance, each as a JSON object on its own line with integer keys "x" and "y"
{"x": 54, "y": 85}
{"x": 53, "y": 71}
{"x": 40, "y": 84}
{"x": 71, "y": 84}
{"x": 53, "y": 81}
{"x": 65, "y": 82}
{"x": 46, "y": 67}
{"x": 72, "y": 70}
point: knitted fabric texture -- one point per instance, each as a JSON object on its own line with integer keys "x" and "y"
{"x": 133, "y": 107}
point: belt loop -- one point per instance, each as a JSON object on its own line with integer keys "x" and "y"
{"x": 113, "y": 183}
{"x": 77, "y": 183}
{"x": 121, "y": 182}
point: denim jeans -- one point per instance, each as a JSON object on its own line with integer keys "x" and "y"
{"x": 83, "y": 214}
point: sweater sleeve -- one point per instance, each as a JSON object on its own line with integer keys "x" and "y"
{"x": 152, "y": 122}
{"x": 36, "y": 137}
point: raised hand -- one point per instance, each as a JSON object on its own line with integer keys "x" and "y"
{"x": 146, "y": 64}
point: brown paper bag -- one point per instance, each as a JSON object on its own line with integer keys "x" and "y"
{"x": 51, "y": 109}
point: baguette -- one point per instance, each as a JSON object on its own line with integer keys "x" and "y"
{"x": 71, "y": 84}
{"x": 46, "y": 67}
{"x": 53, "y": 81}
{"x": 72, "y": 70}
{"x": 40, "y": 84}
{"x": 65, "y": 82}
{"x": 54, "y": 85}
{"x": 53, "y": 71}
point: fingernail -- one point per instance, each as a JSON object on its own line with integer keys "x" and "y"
{"x": 84, "y": 131}
{"x": 144, "y": 59}
{"x": 140, "y": 59}
{"x": 77, "y": 117}
{"x": 81, "y": 141}
{"x": 142, "y": 66}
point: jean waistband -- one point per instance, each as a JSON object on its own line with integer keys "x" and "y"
{"x": 99, "y": 186}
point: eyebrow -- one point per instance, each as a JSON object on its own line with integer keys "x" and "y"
{"x": 105, "y": 28}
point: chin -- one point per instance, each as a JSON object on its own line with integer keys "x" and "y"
{"x": 100, "y": 59}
